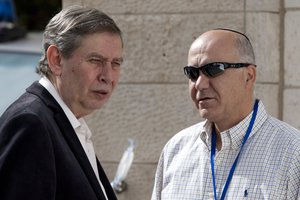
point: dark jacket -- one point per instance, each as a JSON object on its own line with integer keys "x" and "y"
{"x": 41, "y": 156}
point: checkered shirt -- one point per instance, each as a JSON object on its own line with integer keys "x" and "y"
{"x": 268, "y": 166}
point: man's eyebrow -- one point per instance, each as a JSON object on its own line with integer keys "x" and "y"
{"x": 95, "y": 55}
{"x": 103, "y": 58}
{"x": 119, "y": 59}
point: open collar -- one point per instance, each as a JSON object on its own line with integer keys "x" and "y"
{"x": 233, "y": 137}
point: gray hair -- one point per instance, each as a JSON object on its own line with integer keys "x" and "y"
{"x": 245, "y": 49}
{"x": 67, "y": 29}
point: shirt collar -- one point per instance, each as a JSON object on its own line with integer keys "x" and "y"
{"x": 83, "y": 129}
{"x": 233, "y": 137}
{"x": 46, "y": 83}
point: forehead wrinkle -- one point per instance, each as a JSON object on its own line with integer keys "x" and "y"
{"x": 198, "y": 52}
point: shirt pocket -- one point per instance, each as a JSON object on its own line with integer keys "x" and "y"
{"x": 242, "y": 188}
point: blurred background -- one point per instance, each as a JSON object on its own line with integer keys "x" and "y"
{"x": 34, "y": 15}
{"x": 152, "y": 103}
{"x": 21, "y": 26}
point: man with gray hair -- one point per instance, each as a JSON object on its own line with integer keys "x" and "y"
{"x": 46, "y": 150}
{"x": 239, "y": 151}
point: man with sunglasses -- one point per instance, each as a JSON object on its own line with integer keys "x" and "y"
{"x": 239, "y": 151}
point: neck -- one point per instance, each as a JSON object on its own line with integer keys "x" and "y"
{"x": 218, "y": 139}
{"x": 220, "y": 127}
{"x": 233, "y": 118}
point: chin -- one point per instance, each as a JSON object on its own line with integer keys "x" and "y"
{"x": 95, "y": 105}
{"x": 101, "y": 104}
{"x": 204, "y": 113}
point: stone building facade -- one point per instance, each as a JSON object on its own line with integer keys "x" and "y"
{"x": 152, "y": 103}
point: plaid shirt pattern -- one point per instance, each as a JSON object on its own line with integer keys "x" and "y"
{"x": 268, "y": 167}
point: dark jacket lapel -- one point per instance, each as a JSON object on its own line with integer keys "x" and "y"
{"x": 69, "y": 134}
{"x": 106, "y": 184}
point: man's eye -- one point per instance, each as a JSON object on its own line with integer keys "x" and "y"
{"x": 116, "y": 64}
{"x": 96, "y": 61}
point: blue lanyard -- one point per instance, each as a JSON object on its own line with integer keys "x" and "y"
{"x": 213, "y": 151}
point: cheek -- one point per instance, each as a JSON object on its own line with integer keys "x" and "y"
{"x": 232, "y": 90}
{"x": 116, "y": 77}
{"x": 192, "y": 91}
{"x": 75, "y": 76}
{"x": 78, "y": 80}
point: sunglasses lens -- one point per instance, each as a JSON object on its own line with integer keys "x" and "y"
{"x": 213, "y": 69}
{"x": 192, "y": 73}
{"x": 210, "y": 70}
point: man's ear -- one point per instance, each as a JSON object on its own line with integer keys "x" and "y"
{"x": 251, "y": 74}
{"x": 54, "y": 60}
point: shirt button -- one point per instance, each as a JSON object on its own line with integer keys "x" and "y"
{"x": 217, "y": 162}
{"x": 211, "y": 195}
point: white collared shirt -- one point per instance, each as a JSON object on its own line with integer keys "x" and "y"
{"x": 79, "y": 125}
{"x": 268, "y": 166}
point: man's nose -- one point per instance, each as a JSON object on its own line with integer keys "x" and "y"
{"x": 202, "y": 82}
{"x": 106, "y": 73}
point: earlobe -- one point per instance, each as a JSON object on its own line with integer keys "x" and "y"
{"x": 54, "y": 60}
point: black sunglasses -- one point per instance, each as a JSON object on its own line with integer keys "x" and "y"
{"x": 211, "y": 70}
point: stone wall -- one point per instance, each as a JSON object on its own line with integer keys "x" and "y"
{"x": 291, "y": 57}
{"x": 152, "y": 103}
